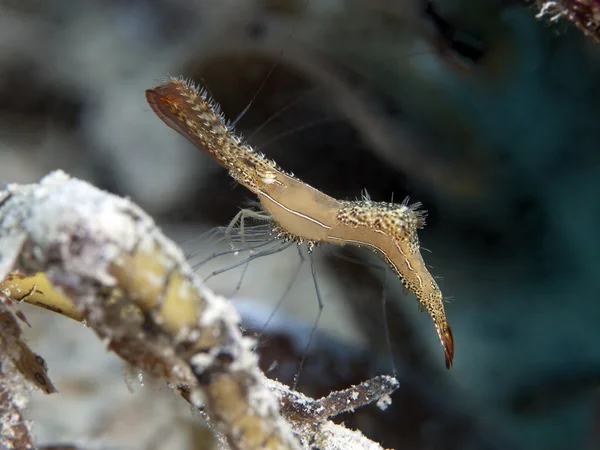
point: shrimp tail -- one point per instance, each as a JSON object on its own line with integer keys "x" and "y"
{"x": 447, "y": 339}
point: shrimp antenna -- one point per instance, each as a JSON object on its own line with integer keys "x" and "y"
{"x": 384, "y": 291}
{"x": 315, "y": 325}
{"x": 279, "y": 303}
{"x": 270, "y": 251}
{"x": 265, "y": 79}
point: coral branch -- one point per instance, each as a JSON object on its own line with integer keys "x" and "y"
{"x": 304, "y": 409}
{"x": 73, "y": 249}
{"x": 133, "y": 287}
{"x": 20, "y": 368}
{"x": 585, "y": 14}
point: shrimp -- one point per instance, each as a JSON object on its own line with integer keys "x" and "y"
{"x": 300, "y": 212}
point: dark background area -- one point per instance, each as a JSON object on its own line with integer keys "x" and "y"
{"x": 484, "y": 114}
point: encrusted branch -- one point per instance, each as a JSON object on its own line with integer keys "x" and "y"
{"x": 585, "y": 14}
{"x": 92, "y": 256}
{"x": 133, "y": 287}
{"x": 20, "y": 368}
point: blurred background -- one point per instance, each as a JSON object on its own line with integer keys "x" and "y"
{"x": 486, "y": 115}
